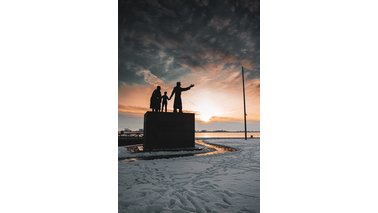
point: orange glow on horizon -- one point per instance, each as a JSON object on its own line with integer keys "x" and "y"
{"x": 209, "y": 103}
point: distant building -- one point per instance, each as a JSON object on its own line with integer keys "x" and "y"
{"x": 140, "y": 130}
{"x": 127, "y": 130}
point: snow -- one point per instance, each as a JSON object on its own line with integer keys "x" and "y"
{"x": 228, "y": 182}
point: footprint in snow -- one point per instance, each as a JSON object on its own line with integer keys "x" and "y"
{"x": 222, "y": 205}
{"x": 182, "y": 199}
{"x": 228, "y": 193}
{"x": 203, "y": 183}
{"x": 224, "y": 198}
{"x": 172, "y": 203}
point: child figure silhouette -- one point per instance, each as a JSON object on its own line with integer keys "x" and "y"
{"x": 164, "y": 102}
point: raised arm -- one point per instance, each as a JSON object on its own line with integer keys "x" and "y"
{"x": 187, "y": 88}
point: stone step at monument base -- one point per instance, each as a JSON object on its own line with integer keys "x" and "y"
{"x": 177, "y": 149}
{"x": 168, "y": 130}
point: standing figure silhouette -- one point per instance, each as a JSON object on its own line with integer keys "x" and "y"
{"x": 155, "y": 100}
{"x": 164, "y": 102}
{"x": 177, "y": 91}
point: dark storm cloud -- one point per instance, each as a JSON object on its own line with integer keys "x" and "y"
{"x": 172, "y": 38}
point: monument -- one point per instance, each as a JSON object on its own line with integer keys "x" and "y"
{"x": 168, "y": 131}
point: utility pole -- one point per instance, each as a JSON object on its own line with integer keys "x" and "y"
{"x": 245, "y": 114}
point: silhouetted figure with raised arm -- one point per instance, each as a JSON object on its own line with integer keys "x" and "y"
{"x": 155, "y": 100}
{"x": 164, "y": 102}
{"x": 177, "y": 91}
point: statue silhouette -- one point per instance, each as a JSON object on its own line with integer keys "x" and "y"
{"x": 164, "y": 102}
{"x": 177, "y": 91}
{"x": 155, "y": 100}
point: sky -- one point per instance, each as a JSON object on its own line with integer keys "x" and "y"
{"x": 200, "y": 42}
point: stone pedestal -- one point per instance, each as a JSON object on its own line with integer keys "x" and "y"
{"x": 167, "y": 130}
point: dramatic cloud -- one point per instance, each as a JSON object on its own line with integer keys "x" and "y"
{"x": 201, "y": 42}
{"x": 149, "y": 77}
{"x": 132, "y": 109}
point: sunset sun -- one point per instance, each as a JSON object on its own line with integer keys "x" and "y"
{"x": 207, "y": 111}
{"x": 205, "y": 116}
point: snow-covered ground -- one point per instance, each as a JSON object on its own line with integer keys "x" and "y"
{"x": 228, "y": 182}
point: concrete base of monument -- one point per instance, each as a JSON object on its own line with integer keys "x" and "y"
{"x": 168, "y": 131}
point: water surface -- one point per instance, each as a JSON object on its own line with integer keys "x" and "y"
{"x": 204, "y": 135}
